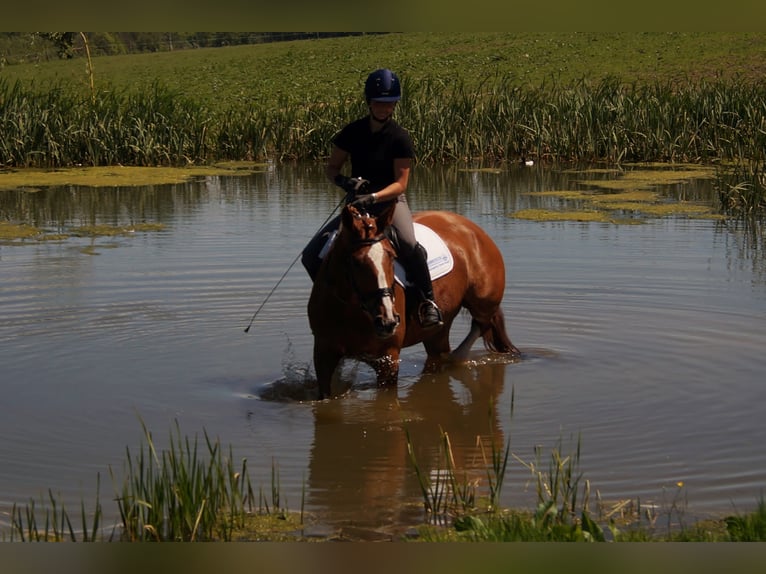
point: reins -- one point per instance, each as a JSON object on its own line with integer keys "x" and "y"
{"x": 364, "y": 298}
{"x": 258, "y": 310}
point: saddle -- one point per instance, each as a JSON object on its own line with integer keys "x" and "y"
{"x": 439, "y": 258}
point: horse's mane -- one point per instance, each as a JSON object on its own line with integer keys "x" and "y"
{"x": 362, "y": 226}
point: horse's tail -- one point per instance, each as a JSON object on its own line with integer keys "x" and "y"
{"x": 496, "y": 338}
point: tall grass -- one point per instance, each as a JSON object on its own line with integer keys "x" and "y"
{"x": 458, "y": 508}
{"x": 742, "y": 189}
{"x": 53, "y": 522}
{"x": 181, "y": 495}
{"x": 501, "y": 120}
{"x": 748, "y": 527}
{"x": 189, "y": 492}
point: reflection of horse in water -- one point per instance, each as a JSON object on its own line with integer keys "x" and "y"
{"x": 356, "y": 305}
{"x": 360, "y": 472}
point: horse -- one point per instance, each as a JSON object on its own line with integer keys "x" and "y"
{"x": 357, "y": 309}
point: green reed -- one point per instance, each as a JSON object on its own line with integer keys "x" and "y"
{"x": 191, "y": 491}
{"x": 450, "y": 498}
{"x": 183, "y": 493}
{"x": 748, "y": 527}
{"x": 499, "y": 120}
{"x": 742, "y": 189}
{"x": 53, "y": 522}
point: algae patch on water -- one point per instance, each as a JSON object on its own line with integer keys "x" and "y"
{"x": 32, "y": 180}
{"x": 123, "y": 176}
{"x": 112, "y": 230}
{"x": 627, "y": 197}
{"x": 551, "y": 215}
{"x": 10, "y": 232}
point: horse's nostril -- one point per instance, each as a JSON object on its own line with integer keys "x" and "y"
{"x": 385, "y": 327}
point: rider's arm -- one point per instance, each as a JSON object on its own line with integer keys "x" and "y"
{"x": 402, "y": 167}
{"x": 334, "y": 164}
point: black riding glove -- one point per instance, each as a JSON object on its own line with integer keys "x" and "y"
{"x": 363, "y": 201}
{"x": 352, "y": 185}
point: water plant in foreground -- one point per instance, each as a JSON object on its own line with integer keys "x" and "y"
{"x": 457, "y": 511}
{"x": 191, "y": 491}
{"x": 194, "y": 491}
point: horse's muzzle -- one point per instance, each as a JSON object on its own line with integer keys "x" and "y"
{"x": 384, "y": 327}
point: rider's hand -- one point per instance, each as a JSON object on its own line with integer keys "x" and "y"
{"x": 363, "y": 201}
{"x": 352, "y": 185}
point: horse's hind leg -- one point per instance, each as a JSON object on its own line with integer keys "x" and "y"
{"x": 461, "y": 352}
{"x": 495, "y": 337}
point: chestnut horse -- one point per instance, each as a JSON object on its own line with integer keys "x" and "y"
{"x": 357, "y": 309}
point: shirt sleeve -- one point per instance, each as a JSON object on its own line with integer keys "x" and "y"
{"x": 343, "y": 139}
{"x": 403, "y": 146}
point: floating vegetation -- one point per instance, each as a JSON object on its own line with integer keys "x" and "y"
{"x": 629, "y": 197}
{"x": 9, "y": 231}
{"x": 112, "y": 176}
{"x": 550, "y": 215}
{"x": 112, "y": 230}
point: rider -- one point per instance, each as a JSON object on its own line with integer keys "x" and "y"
{"x": 381, "y": 153}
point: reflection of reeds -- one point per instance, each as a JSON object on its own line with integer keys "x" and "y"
{"x": 742, "y": 189}
{"x": 500, "y": 120}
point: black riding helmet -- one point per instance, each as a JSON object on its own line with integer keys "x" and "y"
{"x": 382, "y": 86}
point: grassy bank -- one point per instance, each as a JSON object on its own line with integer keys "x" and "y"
{"x": 708, "y": 121}
{"x": 194, "y": 490}
{"x": 492, "y": 97}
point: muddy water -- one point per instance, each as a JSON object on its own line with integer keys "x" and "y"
{"x": 642, "y": 342}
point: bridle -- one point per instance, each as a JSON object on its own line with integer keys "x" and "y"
{"x": 368, "y": 299}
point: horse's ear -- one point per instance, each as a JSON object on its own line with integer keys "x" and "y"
{"x": 385, "y": 218}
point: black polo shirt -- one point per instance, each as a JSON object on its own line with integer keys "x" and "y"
{"x": 373, "y": 154}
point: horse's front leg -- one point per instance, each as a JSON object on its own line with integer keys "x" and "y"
{"x": 325, "y": 363}
{"x": 387, "y": 368}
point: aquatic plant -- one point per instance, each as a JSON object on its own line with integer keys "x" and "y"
{"x": 704, "y": 121}
{"x": 742, "y": 189}
{"x": 187, "y": 492}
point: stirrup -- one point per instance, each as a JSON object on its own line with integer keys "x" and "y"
{"x": 429, "y": 314}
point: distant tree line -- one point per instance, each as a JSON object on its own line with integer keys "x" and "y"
{"x": 25, "y": 47}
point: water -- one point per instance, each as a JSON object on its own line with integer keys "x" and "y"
{"x": 642, "y": 342}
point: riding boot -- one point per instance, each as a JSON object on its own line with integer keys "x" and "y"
{"x": 429, "y": 314}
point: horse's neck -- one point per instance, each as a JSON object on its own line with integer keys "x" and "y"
{"x": 334, "y": 272}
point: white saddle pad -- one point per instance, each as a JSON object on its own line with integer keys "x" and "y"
{"x": 440, "y": 261}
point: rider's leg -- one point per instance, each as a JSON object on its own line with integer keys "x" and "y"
{"x": 310, "y": 256}
{"x": 414, "y": 259}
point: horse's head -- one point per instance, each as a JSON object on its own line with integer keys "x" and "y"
{"x": 371, "y": 266}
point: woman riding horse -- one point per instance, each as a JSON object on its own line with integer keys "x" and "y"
{"x": 381, "y": 153}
